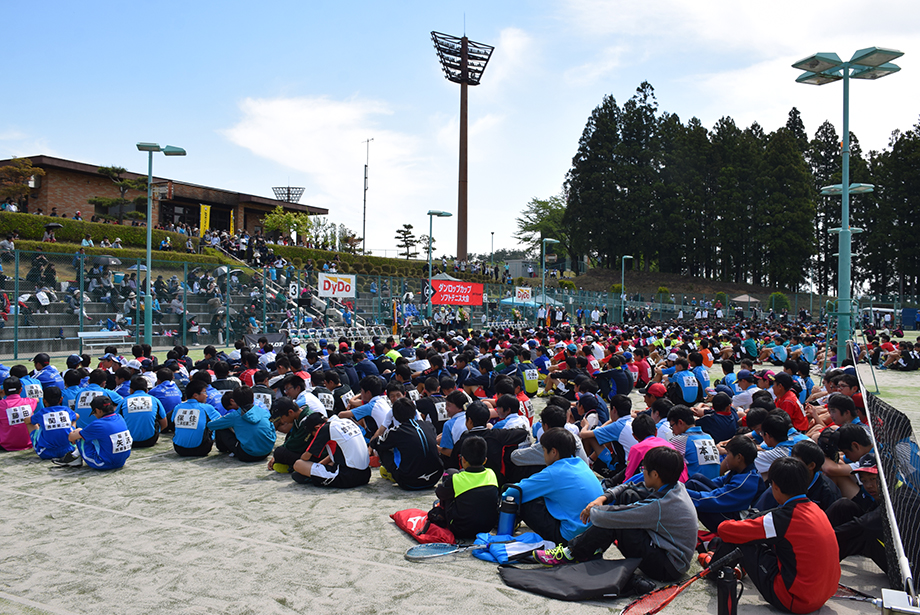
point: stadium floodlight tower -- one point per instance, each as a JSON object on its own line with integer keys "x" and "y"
{"x": 463, "y": 62}
{"x": 288, "y": 194}
{"x": 821, "y": 69}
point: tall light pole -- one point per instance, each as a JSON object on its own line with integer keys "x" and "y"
{"x": 364, "y": 216}
{"x": 168, "y": 150}
{"x": 431, "y": 216}
{"x": 623, "y": 284}
{"x": 463, "y": 62}
{"x": 820, "y": 69}
{"x": 543, "y": 268}
{"x": 492, "y": 257}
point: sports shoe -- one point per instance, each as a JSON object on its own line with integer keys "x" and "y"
{"x": 70, "y": 460}
{"x": 553, "y": 557}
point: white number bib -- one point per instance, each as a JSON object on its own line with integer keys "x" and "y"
{"x": 140, "y": 404}
{"x": 187, "y": 418}
{"x": 528, "y": 408}
{"x": 441, "y": 408}
{"x": 34, "y": 391}
{"x": 532, "y": 374}
{"x": 86, "y": 398}
{"x": 264, "y": 400}
{"x": 706, "y": 452}
{"x": 121, "y": 442}
{"x": 328, "y": 401}
{"x": 348, "y": 428}
{"x": 413, "y": 395}
{"x": 56, "y": 420}
{"x": 17, "y": 415}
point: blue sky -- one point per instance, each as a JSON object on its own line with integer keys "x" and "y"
{"x": 277, "y": 93}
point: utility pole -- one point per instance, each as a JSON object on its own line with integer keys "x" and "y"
{"x": 364, "y": 217}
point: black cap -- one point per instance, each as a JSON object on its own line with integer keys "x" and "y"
{"x": 42, "y": 358}
{"x": 281, "y": 407}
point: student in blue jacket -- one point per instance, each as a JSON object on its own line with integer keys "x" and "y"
{"x": 246, "y": 431}
{"x": 726, "y": 496}
{"x": 143, "y": 413}
{"x": 105, "y": 444}
{"x": 554, "y": 497}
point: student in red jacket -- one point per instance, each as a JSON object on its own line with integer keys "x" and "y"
{"x": 791, "y": 551}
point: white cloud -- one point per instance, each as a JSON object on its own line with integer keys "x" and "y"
{"x": 608, "y": 60}
{"x": 323, "y": 139}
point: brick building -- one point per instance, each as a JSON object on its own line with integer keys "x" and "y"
{"x": 68, "y": 185}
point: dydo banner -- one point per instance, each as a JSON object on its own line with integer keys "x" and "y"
{"x": 523, "y": 294}
{"x": 336, "y": 285}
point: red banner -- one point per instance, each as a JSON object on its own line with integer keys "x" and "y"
{"x": 456, "y": 293}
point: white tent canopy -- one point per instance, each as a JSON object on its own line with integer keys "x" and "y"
{"x": 745, "y": 299}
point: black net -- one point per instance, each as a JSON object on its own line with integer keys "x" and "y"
{"x": 899, "y": 456}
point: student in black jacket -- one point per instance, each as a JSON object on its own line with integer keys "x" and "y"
{"x": 408, "y": 450}
{"x": 500, "y": 442}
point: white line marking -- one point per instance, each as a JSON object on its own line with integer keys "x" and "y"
{"x": 36, "y": 605}
{"x": 229, "y": 535}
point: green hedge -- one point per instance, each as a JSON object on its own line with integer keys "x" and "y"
{"x": 125, "y": 254}
{"x": 30, "y": 226}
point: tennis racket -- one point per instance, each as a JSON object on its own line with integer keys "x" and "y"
{"x": 432, "y": 550}
{"x": 849, "y": 593}
{"x": 657, "y": 599}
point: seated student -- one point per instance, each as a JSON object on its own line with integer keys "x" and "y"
{"x": 528, "y": 460}
{"x": 123, "y": 377}
{"x": 191, "y": 417}
{"x": 507, "y": 409}
{"x": 777, "y": 441}
{"x": 860, "y": 526}
{"x": 454, "y": 426}
{"x": 50, "y": 426}
{"x": 721, "y": 421}
{"x": 72, "y": 378}
{"x": 553, "y": 498}
{"x": 263, "y": 394}
{"x": 787, "y": 401}
{"x": 289, "y": 419}
{"x": 432, "y": 405}
{"x": 97, "y": 379}
{"x": 656, "y": 523}
{"x": 340, "y": 454}
{"x": 340, "y": 391}
{"x": 369, "y": 409}
{"x": 790, "y": 552}
{"x": 584, "y": 412}
{"x": 609, "y": 463}
{"x": 643, "y": 429}
{"x": 501, "y": 442}
{"x": 724, "y": 497}
{"x": 821, "y": 490}
{"x": 408, "y": 450}
{"x": 467, "y": 499}
{"x": 659, "y": 413}
{"x": 105, "y": 444}
{"x": 14, "y": 413}
{"x": 143, "y": 413}
{"x": 698, "y": 448}
{"x": 246, "y": 431}
{"x": 166, "y": 391}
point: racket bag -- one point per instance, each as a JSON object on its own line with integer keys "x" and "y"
{"x": 415, "y": 523}
{"x": 590, "y": 580}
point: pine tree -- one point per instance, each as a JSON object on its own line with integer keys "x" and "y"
{"x": 406, "y": 241}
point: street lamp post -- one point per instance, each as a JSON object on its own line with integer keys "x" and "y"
{"x": 820, "y": 69}
{"x": 431, "y": 216}
{"x": 543, "y": 270}
{"x": 168, "y": 150}
{"x": 492, "y": 256}
{"x": 623, "y": 284}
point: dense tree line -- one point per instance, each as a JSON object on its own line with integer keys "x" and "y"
{"x": 736, "y": 204}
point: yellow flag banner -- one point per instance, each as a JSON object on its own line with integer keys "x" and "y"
{"x": 205, "y": 218}
{"x": 231, "y": 221}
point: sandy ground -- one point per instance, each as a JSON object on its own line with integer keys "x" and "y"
{"x": 213, "y": 535}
